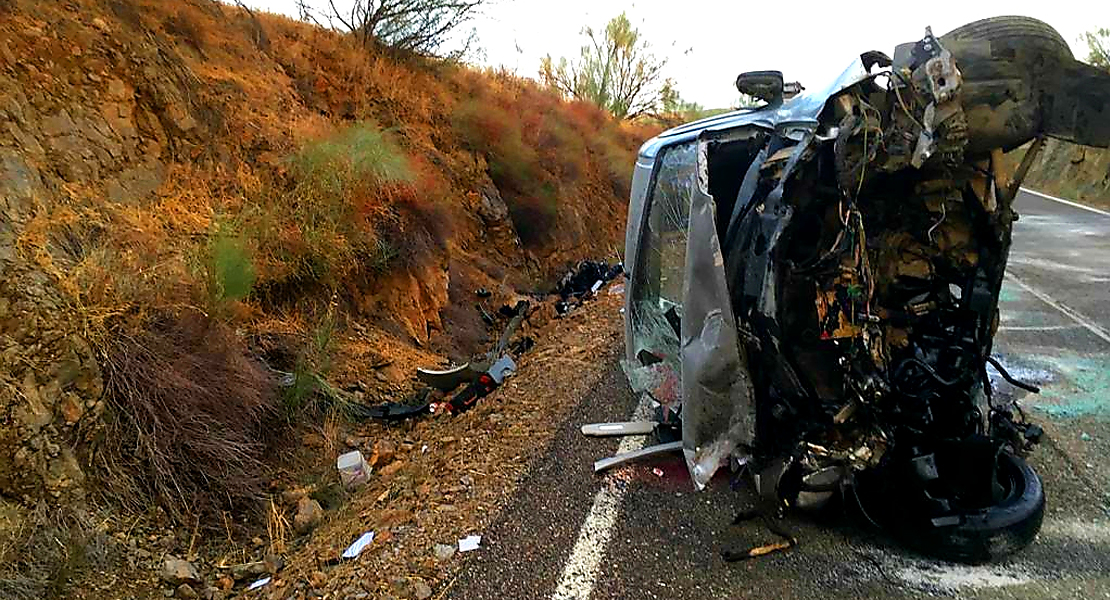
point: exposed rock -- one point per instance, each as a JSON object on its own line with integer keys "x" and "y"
{"x": 491, "y": 207}
{"x": 249, "y": 570}
{"x": 309, "y": 515}
{"x": 185, "y": 591}
{"x": 273, "y": 563}
{"x": 421, "y": 590}
{"x": 178, "y": 571}
{"x": 101, "y": 25}
{"x": 383, "y": 454}
{"x": 444, "y": 552}
{"x": 71, "y": 408}
{"x": 391, "y": 469}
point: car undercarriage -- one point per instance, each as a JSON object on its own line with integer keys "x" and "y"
{"x": 814, "y": 283}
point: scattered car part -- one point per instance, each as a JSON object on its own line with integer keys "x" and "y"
{"x": 627, "y": 457}
{"x": 447, "y": 380}
{"x": 389, "y": 411}
{"x": 502, "y": 368}
{"x": 788, "y": 540}
{"x": 579, "y": 281}
{"x": 619, "y": 429}
{"x": 359, "y": 545}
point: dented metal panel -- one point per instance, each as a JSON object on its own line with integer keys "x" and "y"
{"x": 717, "y": 415}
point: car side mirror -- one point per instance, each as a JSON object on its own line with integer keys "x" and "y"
{"x": 765, "y": 85}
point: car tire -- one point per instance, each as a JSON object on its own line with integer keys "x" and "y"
{"x": 993, "y": 532}
{"x": 1021, "y": 81}
{"x": 1009, "y": 33}
{"x": 1002, "y": 60}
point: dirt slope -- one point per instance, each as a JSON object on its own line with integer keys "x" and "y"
{"x": 192, "y": 197}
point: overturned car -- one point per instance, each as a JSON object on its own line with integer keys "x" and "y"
{"x": 813, "y": 283}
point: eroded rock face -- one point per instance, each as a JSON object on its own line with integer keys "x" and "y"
{"x": 75, "y": 116}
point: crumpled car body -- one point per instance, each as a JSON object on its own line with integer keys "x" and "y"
{"x": 813, "y": 284}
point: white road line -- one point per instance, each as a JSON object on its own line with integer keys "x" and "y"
{"x": 1037, "y": 327}
{"x": 1074, "y": 316}
{"x": 1067, "y": 202}
{"x": 581, "y": 570}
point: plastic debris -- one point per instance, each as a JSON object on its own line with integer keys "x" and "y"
{"x": 359, "y": 545}
{"x": 469, "y": 543}
{"x": 447, "y": 379}
{"x": 259, "y": 583}
{"x": 502, "y": 369}
{"x": 353, "y": 470}
{"x": 1086, "y": 437}
{"x": 657, "y": 471}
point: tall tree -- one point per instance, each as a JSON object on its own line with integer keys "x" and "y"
{"x": 1098, "y": 47}
{"x": 421, "y": 26}
{"x": 615, "y": 69}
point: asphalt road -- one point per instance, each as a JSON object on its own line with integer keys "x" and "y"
{"x": 635, "y": 534}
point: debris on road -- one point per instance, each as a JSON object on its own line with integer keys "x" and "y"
{"x": 469, "y": 543}
{"x": 359, "y": 545}
{"x": 619, "y": 429}
{"x": 788, "y": 540}
{"x": 448, "y": 379}
{"x": 627, "y": 457}
{"x": 353, "y": 469}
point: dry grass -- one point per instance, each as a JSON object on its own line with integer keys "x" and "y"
{"x": 315, "y": 171}
{"x": 190, "y": 411}
{"x": 45, "y": 551}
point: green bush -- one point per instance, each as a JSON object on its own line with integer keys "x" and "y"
{"x": 229, "y": 270}
{"x": 322, "y": 227}
{"x": 359, "y": 155}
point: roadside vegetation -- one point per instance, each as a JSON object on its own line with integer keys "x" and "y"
{"x": 176, "y": 291}
{"x": 306, "y": 175}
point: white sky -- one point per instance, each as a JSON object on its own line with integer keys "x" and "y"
{"x": 708, "y": 43}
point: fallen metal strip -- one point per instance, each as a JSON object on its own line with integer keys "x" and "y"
{"x": 627, "y": 457}
{"x": 615, "y": 429}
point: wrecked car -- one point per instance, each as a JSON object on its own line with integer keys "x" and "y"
{"x": 813, "y": 283}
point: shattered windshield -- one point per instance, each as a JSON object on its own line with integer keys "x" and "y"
{"x": 657, "y": 287}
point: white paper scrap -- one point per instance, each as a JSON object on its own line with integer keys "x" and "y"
{"x": 469, "y": 543}
{"x": 258, "y": 584}
{"x": 360, "y": 544}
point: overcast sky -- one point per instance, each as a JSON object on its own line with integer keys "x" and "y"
{"x": 708, "y": 43}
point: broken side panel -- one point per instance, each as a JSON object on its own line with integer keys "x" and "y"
{"x": 718, "y": 410}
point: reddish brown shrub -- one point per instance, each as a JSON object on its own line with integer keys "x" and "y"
{"x": 188, "y": 408}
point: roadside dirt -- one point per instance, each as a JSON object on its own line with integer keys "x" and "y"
{"x": 450, "y": 475}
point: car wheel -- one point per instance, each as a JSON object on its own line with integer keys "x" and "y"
{"x": 972, "y": 535}
{"x": 1007, "y": 34}
{"x": 994, "y": 531}
{"x": 1021, "y": 81}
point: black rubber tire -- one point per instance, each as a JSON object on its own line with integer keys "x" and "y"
{"x": 1009, "y": 32}
{"x": 994, "y": 532}
{"x": 1006, "y": 83}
